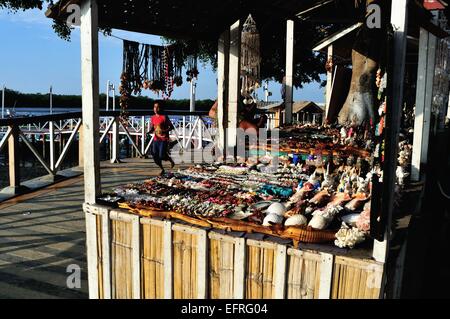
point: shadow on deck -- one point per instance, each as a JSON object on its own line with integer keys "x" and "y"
{"x": 42, "y": 233}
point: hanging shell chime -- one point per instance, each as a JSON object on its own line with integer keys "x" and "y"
{"x": 250, "y": 59}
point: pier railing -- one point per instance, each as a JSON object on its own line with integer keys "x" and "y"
{"x": 192, "y": 130}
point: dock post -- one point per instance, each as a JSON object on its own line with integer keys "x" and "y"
{"x": 51, "y": 131}
{"x": 14, "y": 158}
{"x": 14, "y": 163}
{"x": 115, "y": 154}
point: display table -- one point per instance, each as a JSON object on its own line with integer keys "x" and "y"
{"x": 131, "y": 256}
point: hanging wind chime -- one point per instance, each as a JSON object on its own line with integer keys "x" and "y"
{"x": 250, "y": 59}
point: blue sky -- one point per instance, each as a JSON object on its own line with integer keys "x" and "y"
{"x": 33, "y": 58}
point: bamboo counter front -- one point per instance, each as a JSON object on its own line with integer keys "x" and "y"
{"x": 130, "y": 256}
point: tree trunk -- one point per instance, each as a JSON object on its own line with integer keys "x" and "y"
{"x": 359, "y": 105}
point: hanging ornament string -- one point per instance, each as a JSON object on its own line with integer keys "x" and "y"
{"x": 250, "y": 59}
{"x": 164, "y": 72}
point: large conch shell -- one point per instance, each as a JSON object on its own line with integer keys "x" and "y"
{"x": 357, "y": 202}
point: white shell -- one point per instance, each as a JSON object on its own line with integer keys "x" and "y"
{"x": 350, "y": 219}
{"x": 318, "y": 222}
{"x": 239, "y": 215}
{"x": 277, "y": 209}
{"x": 272, "y": 219}
{"x": 296, "y": 220}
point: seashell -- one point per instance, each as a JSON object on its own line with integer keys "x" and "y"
{"x": 239, "y": 215}
{"x": 272, "y": 219}
{"x": 277, "y": 209}
{"x": 318, "y": 222}
{"x": 296, "y": 220}
{"x": 350, "y": 219}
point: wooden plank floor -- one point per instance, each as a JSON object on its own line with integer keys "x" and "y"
{"x": 42, "y": 233}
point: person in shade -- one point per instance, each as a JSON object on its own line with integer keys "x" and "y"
{"x": 160, "y": 125}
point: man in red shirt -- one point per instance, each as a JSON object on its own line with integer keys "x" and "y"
{"x": 161, "y": 126}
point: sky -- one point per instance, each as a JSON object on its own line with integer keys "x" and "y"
{"x": 33, "y": 58}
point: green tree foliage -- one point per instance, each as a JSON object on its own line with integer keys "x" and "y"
{"x": 308, "y": 65}
{"x": 34, "y": 100}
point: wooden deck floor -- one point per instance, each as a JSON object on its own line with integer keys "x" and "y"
{"x": 42, "y": 233}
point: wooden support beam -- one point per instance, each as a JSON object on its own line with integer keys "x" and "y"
{"x": 424, "y": 97}
{"x": 234, "y": 94}
{"x": 289, "y": 71}
{"x": 329, "y": 86}
{"x": 80, "y": 146}
{"x": 399, "y": 21}
{"x": 90, "y": 98}
{"x": 223, "y": 66}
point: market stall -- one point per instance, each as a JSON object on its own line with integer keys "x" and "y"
{"x": 312, "y": 223}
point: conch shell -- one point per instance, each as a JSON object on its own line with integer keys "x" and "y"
{"x": 296, "y": 220}
{"x": 271, "y": 219}
{"x": 357, "y": 202}
{"x": 318, "y": 222}
{"x": 320, "y": 198}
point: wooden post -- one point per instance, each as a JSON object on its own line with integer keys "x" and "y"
{"x": 223, "y": 66}
{"x": 289, "y": 71}
{"x": 168, "y": 260}
{"x": 239, "y": 268}
{"x": 399, "y": 20}
{"x": 90, "y": 99}
{"x": 92, "y": 253}
{"x": 80, "y": 146}
{"x": 329, "y": 83}
{"x": 280, "y": 272}
{"x": 233, "y": 85}
{"x": 326, "y": 275}
{"x": 424, "y": 97}
{"x": 14, "y": 159}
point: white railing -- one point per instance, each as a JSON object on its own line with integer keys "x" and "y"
{"x": 193, "y": 130}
